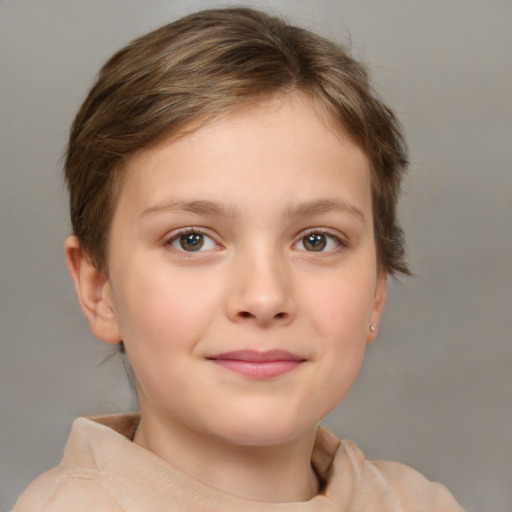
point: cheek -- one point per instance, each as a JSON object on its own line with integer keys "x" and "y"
{"x": 160, "y": 313}
{"x": 340, "y": 308}
{"x": 160, "y": 324}
{"x": 339, "y": 312}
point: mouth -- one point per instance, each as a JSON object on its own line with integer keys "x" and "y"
{"x": 258, "y": 365}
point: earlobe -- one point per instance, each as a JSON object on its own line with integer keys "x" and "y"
{"x": 379, "y": 303}
{"x": 94, "y": 293}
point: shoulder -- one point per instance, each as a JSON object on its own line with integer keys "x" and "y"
{"x": 415, "y": 491}
{"x": 64, "y": 489}
{"x": 80, "y": 482}
{"x": 400, "y": 485}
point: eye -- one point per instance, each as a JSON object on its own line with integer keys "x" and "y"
{"x": 192, "y": 241}
{"x": 319, "y": 241}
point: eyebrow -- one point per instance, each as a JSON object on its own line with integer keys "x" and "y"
{"x": 198, "y": 206}
{"x": 301, "y": 208}
{"x": 324, "y": 206}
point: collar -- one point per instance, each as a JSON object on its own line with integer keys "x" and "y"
{"x": 133, "y": 474}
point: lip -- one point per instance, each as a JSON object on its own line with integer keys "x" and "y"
{"x": 258, "y": 365}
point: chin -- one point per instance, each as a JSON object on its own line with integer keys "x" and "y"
{"x": 264, "y": 432}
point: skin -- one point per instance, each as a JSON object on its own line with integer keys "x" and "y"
{"x": 251, "y": 186}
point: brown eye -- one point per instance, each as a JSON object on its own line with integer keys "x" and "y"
{"x": 314, "y": 242}
{"x": 191, "y": 242}
{"x": 320, "y": 241}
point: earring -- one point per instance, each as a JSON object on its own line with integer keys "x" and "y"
{"x": 373, "y": 327}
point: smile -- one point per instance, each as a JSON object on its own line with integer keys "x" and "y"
{"x": 258, "y": 365}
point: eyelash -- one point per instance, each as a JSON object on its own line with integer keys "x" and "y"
{"x": 340, "y": 242}
{"x": 190, "y": 230}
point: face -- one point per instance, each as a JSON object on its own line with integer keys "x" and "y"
{"x": 242, "y": 272}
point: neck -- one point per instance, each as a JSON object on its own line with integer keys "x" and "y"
{"x": 273, "y": 474}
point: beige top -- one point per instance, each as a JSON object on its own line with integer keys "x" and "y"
{"x": 103, "y": 470}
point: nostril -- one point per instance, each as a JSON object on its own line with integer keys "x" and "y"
{"x": 263, "y": 317}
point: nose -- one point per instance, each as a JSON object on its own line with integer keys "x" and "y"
{"x": 261, "y": 291}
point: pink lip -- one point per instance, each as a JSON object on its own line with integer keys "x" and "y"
{"x": 259, "y": 365}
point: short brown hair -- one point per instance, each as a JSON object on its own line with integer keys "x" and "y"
{"x": 208, "y": 64}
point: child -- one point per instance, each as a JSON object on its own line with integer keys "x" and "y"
{"x": 233, "y": 185}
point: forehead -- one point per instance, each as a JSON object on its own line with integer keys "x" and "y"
{"x": 284, "y": 141}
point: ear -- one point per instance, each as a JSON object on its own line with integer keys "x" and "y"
{"x": 94, "y": 293}
{"x": 379, "y": 303}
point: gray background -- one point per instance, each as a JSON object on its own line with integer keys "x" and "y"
{"x": 435, "y": 391}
